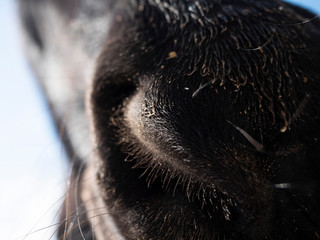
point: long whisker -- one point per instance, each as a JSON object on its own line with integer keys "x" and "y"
{"x": 258, "y": 146}
{"x": 76, "y": 199}
{"x": 32, "y": 229}
{"x": 262, "y": 46}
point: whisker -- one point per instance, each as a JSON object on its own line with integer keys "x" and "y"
{"x": 283, "y": 186}
{"x": 294, "y": 24}
{"x": 38, "y": 230}
{"x": 303, "y": 22}
{"x": 59, "y": 224}
{"x": 299, "y": 110}
{"x": 262, "y": 46}
{"x": 54, "y": 204}
{"x": 202, "y": 87}
{"x": 258, "y": 146}
{"x": 76, "y": 198}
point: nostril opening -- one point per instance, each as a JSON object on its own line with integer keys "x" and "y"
{"x": 107, "y": 95}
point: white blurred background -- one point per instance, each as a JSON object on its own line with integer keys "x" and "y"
{"x": 33, "y": 169}
{"x": 32, "y": 162}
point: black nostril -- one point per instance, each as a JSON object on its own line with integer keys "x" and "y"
{"x": 108, "y": 94}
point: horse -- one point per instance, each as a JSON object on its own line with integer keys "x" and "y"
{"x": 182, "y": 119}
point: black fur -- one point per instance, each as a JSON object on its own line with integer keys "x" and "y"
{"x": 205, "y": 117}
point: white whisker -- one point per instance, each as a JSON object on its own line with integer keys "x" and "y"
{"x": 258, "y": 146}
{"x": 76, "y": 199}
{"x": 283, "y": 186}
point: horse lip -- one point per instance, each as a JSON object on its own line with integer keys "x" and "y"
{"x": 98, "y": 212}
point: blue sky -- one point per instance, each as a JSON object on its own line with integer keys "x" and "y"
{"x": 28, "y": 143}
{"x": 310, "y": 4}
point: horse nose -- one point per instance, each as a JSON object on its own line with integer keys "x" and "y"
{"x": 193, "y": 131}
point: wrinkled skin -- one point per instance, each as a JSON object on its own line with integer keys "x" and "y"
{"x": 201, "y": 119}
